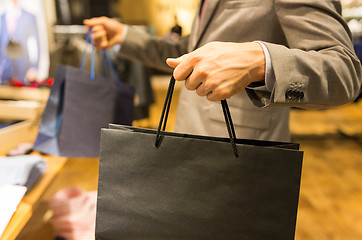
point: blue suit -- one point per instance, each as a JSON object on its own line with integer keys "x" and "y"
{"x": 26, "y": 27}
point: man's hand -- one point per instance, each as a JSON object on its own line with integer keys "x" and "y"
{"x": 219, "y": 70}
{"x": 106, "y": 32}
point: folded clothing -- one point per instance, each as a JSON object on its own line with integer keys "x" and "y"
{"x": 22, "y": 170}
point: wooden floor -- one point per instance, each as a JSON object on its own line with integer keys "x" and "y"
{"x": 330, "y": 205}
{"x": 331, "y": 190}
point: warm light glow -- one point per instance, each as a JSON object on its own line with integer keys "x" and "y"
{"x": 160, "y": 14}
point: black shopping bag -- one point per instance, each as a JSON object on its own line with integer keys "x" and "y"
{"x": 189, "y": 187}
{"x": 80, "y": 104}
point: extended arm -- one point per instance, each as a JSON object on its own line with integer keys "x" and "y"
{"x": 135, "y": 43}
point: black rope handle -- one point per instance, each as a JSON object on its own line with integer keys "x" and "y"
{"x": 166, "y": 109}
{"x": 230, "y": 126}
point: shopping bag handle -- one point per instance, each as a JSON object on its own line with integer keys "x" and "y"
{"x": 89, "y": 39}
{"x": 107, "y": 59}
{"x": 166, "y": 110}
{"x": 229, "y": 126}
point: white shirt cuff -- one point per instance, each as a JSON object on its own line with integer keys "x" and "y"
{"x": 269, "y": 72}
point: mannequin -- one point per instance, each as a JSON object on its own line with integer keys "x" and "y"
{"x": 19, "y": 44}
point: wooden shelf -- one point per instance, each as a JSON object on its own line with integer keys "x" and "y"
{"x": 21, "y": 110}
{"x": 24, "y": 93}
{"x": 13, "y": 135}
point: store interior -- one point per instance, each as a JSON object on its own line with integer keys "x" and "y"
{"x": 330, "y": 202}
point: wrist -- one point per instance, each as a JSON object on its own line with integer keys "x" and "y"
{"x": 257, "y": 63}
{"x": 123, "y": 34}
{"x": 117, "y": 35}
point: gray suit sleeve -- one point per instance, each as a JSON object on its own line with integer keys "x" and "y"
{"x": 318, "y": 67}
{"x": 150, "y": 50}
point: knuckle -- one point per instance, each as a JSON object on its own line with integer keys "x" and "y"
{"x": 99, "y": 29}
{"x": 212, "y": 44}
{"x": 221, "y": 94}
{"x": 195, "y": 59}
{"x": 188, "y": 85}
{"x": 199, "y": 92}
{"x": 176, "y": 75}
{"x": 226, "y": 94}
{"x": 202, "y": 72}
{"x": 211, "y": 97}
{"x": 218, "y": 95}
{"x": 209, "y": 85}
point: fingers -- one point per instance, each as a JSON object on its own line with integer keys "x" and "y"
{"x": 98, "y": 30}
{"x": 99, "y": 33}
{"x": 173, "y": 62}
{"x": 100, "y": 37}
{"x": 184, "y": 68}
{"x": 95, "y": 21}
{"x": 195, "y": 81}
{"x": 197, "y": 72}
{"x": 213, "y": 97}
{"x": 102, "y": 31}
{"x": 220, "y": 70}
{"x": 202, "y": 90}
{"x": 220, "y": 92}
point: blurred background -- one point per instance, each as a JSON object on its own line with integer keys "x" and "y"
{"x": 330, "y": 206}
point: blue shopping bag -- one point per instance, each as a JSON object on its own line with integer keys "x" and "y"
{"x": 79, "y": 105}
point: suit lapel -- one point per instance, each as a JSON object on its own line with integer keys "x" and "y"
{"x": 200, "y": 29}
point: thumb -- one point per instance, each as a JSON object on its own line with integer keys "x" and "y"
{"x": 174, "y": 62}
